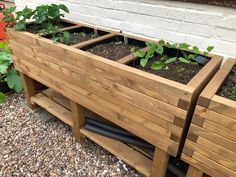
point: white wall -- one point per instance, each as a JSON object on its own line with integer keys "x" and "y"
{"x": 197, "y": 24}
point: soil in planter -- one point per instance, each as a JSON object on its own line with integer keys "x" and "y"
{"x": 78, "y": 35}
{"x": 176, "y": 71}
{"x": 35, "y": 28}
{"x": 226, "y": 90}
{"x": 4, "y": 88}
{"x": 114, "y": 48}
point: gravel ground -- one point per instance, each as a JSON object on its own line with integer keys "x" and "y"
{"x": 38, "y": 144}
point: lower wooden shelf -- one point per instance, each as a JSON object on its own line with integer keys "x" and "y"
{"x": 53, "y": 107}
{"x": 122, "y": 151}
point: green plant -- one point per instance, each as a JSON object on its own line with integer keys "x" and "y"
{"x": 63, "y": 37}
{"x": 7, "y": 72}
{"x": 233, "y": 96}
{"x": 8, "y": 17}
{"x": 164, "y": 59}
{"x": 22, "y": 17}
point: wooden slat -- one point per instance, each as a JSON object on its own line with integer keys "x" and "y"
{"x": 54, "y": 108}
{"x": 215, "y": 83}
{"x": 70, "y": 28}
{"x": 194, "y": 172}
{"x": 93, "y": 102}
{"x": 222, "y": 141}
{"x": 119, "y": 149}
{"x": 223, "y": 106}
{"x": 199, "y": 165}
{"x": 93, "y": 41}
{"x": 215, "y": 117}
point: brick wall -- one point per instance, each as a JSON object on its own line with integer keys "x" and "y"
{"x": 197, "y": 24}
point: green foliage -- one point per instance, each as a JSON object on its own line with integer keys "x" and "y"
{"x": 2, "y": 97}
{"x": 7, "y": 73}
{"x": 22, "y": 17}
{"x": 233, "y": 96}
{"x": 63, "y": 37}
{"x": 159, "y": 49}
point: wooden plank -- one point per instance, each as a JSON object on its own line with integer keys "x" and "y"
{"x": 215, "y": 117}
{"x": 92, "y": 102}
{"x": 106, "y": 68}
{"x": 70, "y": 28}
{"x": 93, "y": 41}
{"x": 29, "y": 89}
{"x": 223, "y": 106}
{"x": 217, "y": 157}
{"x": 204, "y": 168}
{"x": 54, "y": 108}
{"x": 215, "y": 83}
{"x": 122, "y": 151}
{"x": 159, "y": 164}
{"x": 78, "y": 114}
{"x": 220, "y": 140}
{"x": 194, "y": 172}
{"x": 219, "y": 168}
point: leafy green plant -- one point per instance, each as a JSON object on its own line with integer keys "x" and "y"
{"x": 22, "y": 17}
{"x": 233, "y": 96}
{"x": 7, "y": 72}
{"x": 164, "y": 60}
{"x": 8, "y": 18}
{"x": 63, "y": 37}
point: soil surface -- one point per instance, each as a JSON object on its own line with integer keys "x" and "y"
{"x": 226, "y": 89}
{"x": 179, "y": 72}
{"x": 112, "y": 50}
{"x": 77, "y": 38}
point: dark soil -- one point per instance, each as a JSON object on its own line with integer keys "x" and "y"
{"x": 226, "y": 3}
{"x": 115, "y": 49}
{"x": 226, "y": 90}
{"x": 4, "y": 87}
{"x": 177, "y": 71}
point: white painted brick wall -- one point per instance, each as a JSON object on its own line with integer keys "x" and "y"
{"x": 197, "y": 24}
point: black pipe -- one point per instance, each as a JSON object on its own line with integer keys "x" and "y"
{"x": 112, "y": 128}
{"x": 135, "y": 141}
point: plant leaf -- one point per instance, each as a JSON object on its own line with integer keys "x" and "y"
{"x": 171, "y": 46}
{"x": 2, "y": 97}
{"x": 140, "y": 53}
{"x": 14, "y": 81}
{"x": 171, "y": 60}
{"x": 184, "y": 46}
{"x": 143, "y": 62}
{"x": 196, "y": 50}
{"x": 19, "y": 27}
{"x": 210, "y": 48}
{"x": 184, "y": 60}
{"x": 159, "y": 49}
{"x": 64, "y": 8}
{"x": 158, "y": 65}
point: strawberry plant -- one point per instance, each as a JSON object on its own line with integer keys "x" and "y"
{"x": 163, "y": 61}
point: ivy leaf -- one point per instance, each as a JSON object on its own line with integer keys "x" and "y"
{"x": 210, "y": 48}
{"x": 19, "y": 27}
{"x": 143, "y": 62}
{"x": 159, "y": 49}
{"x": 184, "y": 60}
{"x": 184, "y": 46}
{"x": 158, "y": 65}
{"x": 2, "y": 97}
{"x": 64, "y": 8}
{"x": 140, "y": 53}
{"x": 171, "y": 60}
{"x": 14, "y": 81}
{"x": 196, "y": 50}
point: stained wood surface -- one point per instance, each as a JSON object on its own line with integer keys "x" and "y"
{"x": 213, "y": 148}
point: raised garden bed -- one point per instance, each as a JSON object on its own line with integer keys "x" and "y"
{"x": 154, "y": 108}
{"x": 210, "y": 146}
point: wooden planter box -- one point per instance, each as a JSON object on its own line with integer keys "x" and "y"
{"x": 155, "y": 109}
{"x": 211, "y": 143}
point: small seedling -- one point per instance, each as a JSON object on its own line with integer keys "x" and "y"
{"x": 233, "y": 96}
{"x": 126, "y": 40}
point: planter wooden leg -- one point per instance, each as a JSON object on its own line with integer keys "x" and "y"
{"x": 29, "y": 89}
{"x": 194, "y": 172}
{"x": 159, "y": 164}
{"x": 78, "y": 119}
